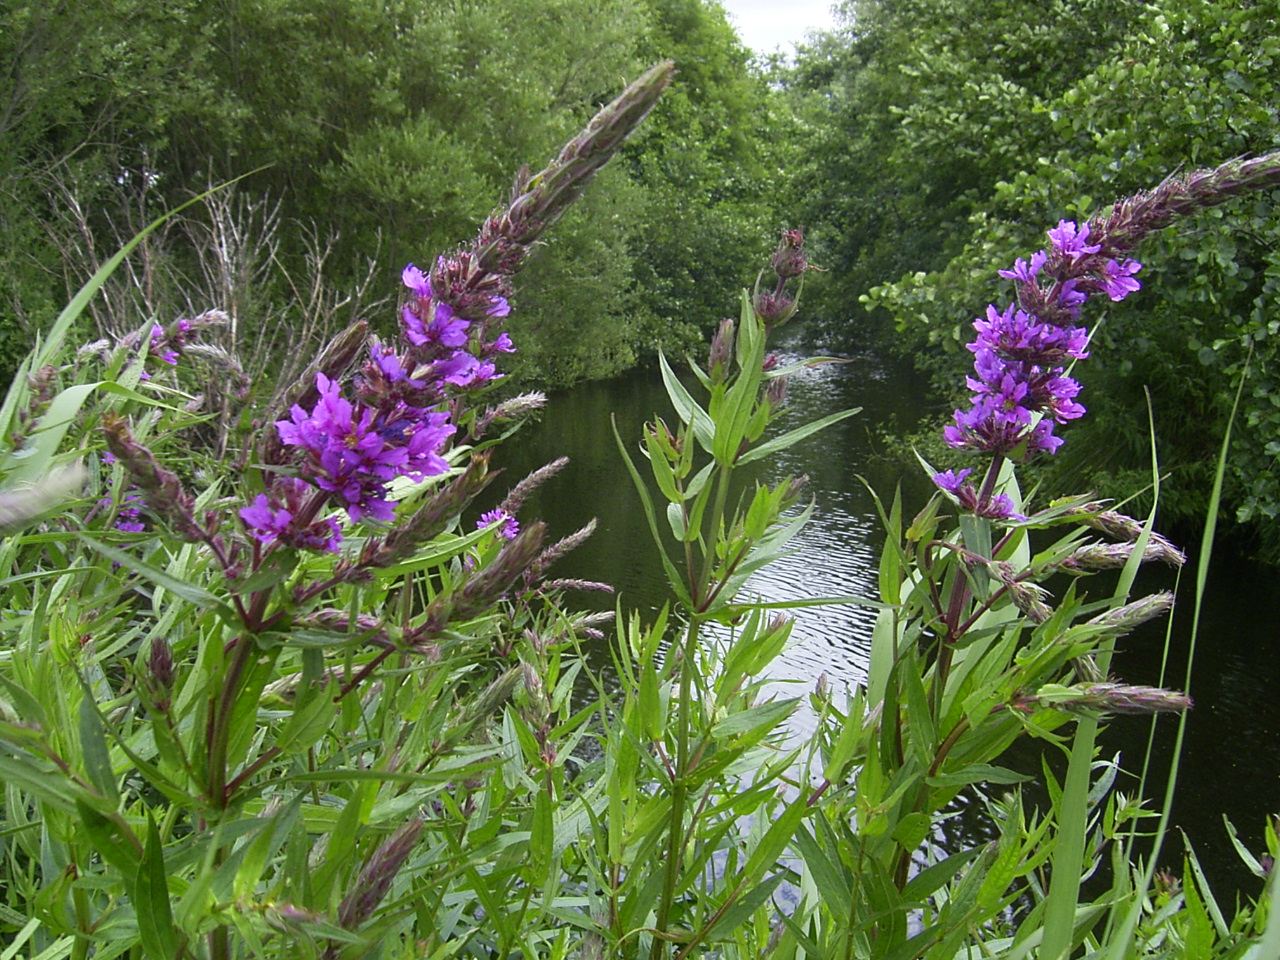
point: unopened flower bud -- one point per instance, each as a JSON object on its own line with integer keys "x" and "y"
{"x": 375, "y": 877}
{"x": 430, "y": 518}
{"x": 796, "y": 487}
{"x": 1111, "y": 556}
{"x": 775, "y": 392}
{"x": 530, "y": 680}
{"x": 1123, "y": 619}
{"x": 1110, "y": 697}
{"x": 287, "y": 916}
{"x": 486, "y": 586}
{"x": 160, "y": 488}
{"x": 774, "y": 308}
{"x": 789, "y": 260}
{"x": 160, "y": 663}
{"x": 518, "y": 406}
{"x": 1115, "y": 525}
{"x": 562, "y": 547}
{"x": 1028, "y": 597}
{"x": 721, "y": 352}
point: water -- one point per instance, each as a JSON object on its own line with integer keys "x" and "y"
{"x": 1231, "y": 758}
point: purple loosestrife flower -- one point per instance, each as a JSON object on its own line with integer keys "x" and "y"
{"x": 280, "y": 515}
{"x": 354, "y": 451}
{"x": 1026, "y": 272}
{"x": 1117, "y": 279}
{"x": 1071, "y": 240}
{"x": 956, "y": 483}
{"x": 129, "y": 513}
{"x": 427, "y": 321}
{"x": 160, "y": 347}
{"x": 1020, "y": 335}
{"x": 448, "y": 347}
{"x": 510, "y": 526}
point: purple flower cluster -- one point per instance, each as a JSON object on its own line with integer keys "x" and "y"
{"x": 393, "y": 425}
{"x": 129, "y": 513}
{"x": 274, "y": 515}
{"x": 167, "y": 343}
{"x": 998, "y": 507}
{"x": 1020, "y": 389}
{"x": 448, "y": 346}
{"x": 509, "y": 527}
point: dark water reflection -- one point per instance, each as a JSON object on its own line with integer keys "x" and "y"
{"x": 1231, "y": 760}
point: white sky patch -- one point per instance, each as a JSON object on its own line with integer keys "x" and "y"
{"x": 769, "y": 25}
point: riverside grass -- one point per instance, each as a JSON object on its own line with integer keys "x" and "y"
{"x": 243, "y": 736}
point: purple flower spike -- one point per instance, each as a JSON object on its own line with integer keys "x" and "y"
{"x": 274, "y": 516}
{"x": 353, "y": 452}
{"x": 263, "y": 522}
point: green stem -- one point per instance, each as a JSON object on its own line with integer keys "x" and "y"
{"x": 80, "y": 948}
{"x": 679, "y": 791}
{"x": 221, "y": 730}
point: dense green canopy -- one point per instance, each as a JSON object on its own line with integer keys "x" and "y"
{"x": 396, "y": 125}
{"x": 949, "y": 134}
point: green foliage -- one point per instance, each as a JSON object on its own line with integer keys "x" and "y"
{"x": 394, "y": 126}
{"x": 961, "y": 132}
{"x": 215, "y": 744}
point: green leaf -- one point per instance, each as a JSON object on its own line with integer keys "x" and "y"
{"x": 106, "y": 837}
{"x": 775, "y": 840}
{"x": 976, "y": 773}
{"x": 686, "y": 407}
{"x": 312, "y": 716}
{"x": 34, "y": 460}
{"x": 764, "y": 717}
{"x": 181, "y": 588}
{"x": 93, "y": 744}
{"x": 792, "y": 437}
{"x": 646, "y": 503}
{"x": 742, "y": 909}
{"x": 151, "y": 900}
{"x": 432, "y": 554}
{"x": 831, "y": 881}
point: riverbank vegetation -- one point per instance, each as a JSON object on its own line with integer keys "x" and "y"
{"x": 375, "y": 131}
{"x": 946, "y": 132}
{"x": 917, "y": 143}
{"x": 270, "y": 688}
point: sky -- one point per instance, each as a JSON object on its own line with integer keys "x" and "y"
{"x": 765, "y": 25}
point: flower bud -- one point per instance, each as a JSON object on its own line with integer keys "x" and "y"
{"x": 775, "y": 392}
{"x": 796, "y": 487}
{"x": 160, "y": 488}
{"x": 430, "y": 518}
{"x": 1110, "y": 697}
{"x": 822, "y": 689}
{"x": 1027, "y": 597}
{"x": 789, "y": 260}
{"x": 721, "y": 352}
{"x": 375, "y": 877}
{"x": 1111, "y": 556}
{"x": 160, "y": 663}
{"x": 1123, "y": 619}
{"x": 774, "y": 308}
